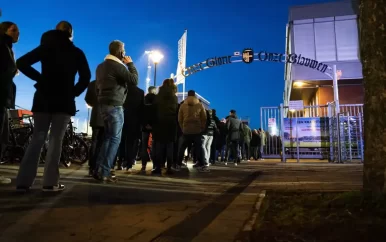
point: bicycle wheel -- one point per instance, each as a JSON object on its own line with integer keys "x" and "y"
{"x": 80, "y": 150}
{"x": 43, "y": 152}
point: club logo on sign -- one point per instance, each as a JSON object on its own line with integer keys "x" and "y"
{"x": 248, "y": 55}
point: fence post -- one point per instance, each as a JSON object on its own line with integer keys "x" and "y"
{"x": 330, "y": 132}
{"x": 361, "y": 135}
{"x": 282, "y": 129}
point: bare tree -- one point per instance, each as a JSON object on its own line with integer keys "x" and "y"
{"x": 372, "y": 27}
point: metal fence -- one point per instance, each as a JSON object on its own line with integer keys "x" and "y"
{"x": 338, "y": 138}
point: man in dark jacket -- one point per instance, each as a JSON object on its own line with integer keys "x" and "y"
{"x": 96, "y": 123}
{"x": 213, "y": 157}
{"x": 9, "y": 34}
{"x": 131, "y": 133}
{"x": 54, "y": 100}
{"x": 235, "y": 130}
{"x": 113, "y": 78}
{"x": 148, "y": 120}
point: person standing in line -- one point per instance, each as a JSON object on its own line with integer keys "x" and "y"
{"x": 207, "y": 137}
{"x": 165, "y": 129}
{"x": 9, "y": 35}
{"x": 54, "y": 101}
{"x": 113, "y": 77}
{"x": 247, "y": 133}
{"x": 216, "y": 135}
{"x": 263, "y": 140}
{"x": 192, "y": 119}
{"x": 235, "y": 130}
{"x": 133, "y": 112}
{"x": 255, "y": 144}
{"x": 96, "y": 123}
{"x": 148, "y": 121}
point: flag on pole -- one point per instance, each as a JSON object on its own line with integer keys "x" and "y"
{"x": 181, "y": 59}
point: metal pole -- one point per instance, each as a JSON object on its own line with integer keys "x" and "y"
{"x": 155, "y": 73}
{"x": 282, "y": 129}
{"x": 183, "y": 90}
{"x": 336, "y": 89}
{"x": 349, "y": 136}
{"x": 297, "y": 138}
{"x": 88, "y": 119}
{"x": 339, "y": 139}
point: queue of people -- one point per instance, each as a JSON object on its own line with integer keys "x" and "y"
{"x": 124, "y": 121}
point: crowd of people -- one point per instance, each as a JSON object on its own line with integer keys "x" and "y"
{"x": 124, "y": 121}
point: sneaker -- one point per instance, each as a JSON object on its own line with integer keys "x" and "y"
{"x": 109, "y": 179}
{"x": 57, "y": 188}
{"x": 203, "y": 169}
{"x": 156, "y": 172}
{"x": 112, "y": 173}
{"x": 143, "y": 169}
{"x": 177, "y": 168}
{"x": 184, "y": 165}
{"x": 5, "y": 180}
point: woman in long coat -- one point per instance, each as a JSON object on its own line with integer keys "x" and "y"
{"x": 165, "y": 129}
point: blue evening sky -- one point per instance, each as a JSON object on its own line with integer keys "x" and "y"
{"x": 215, "y": 28}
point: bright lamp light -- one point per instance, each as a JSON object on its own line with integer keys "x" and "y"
{"x": 156, "y": 56}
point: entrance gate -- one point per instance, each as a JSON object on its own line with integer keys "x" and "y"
{"x": 316, "y": 132}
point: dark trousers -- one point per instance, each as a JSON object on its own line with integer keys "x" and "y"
{"x": 246, "y": 150}
{"x": 213, "y": 157}
{"x": 145, "y": 154}
{"x": 4, "y": 130}
{"x": 163, "y": 151}
{"x": 233, "y": 150}
{"x": 254, "y": 151}
{"x": 187, "y": 139}
{"x": 175, "y": 149}
{"x": 96, "y": 143}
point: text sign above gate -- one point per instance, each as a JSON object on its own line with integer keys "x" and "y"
{"x": 248, "y": 56}
{"x": 296, "y": 105}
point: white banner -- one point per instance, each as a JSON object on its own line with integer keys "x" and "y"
{"x": 181, "y": 58}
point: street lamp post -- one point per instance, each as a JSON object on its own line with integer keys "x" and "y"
{"x": 156, "y": 56}
{"x": 88, "y": 117}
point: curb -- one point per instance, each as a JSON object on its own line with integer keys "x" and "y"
{"x": 248, "y": 227}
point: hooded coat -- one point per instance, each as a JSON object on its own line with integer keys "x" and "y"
{"x": 55, "y": 86}
{"x": 192, "y": 116}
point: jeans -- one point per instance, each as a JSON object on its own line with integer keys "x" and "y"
{"x": 96, "y": 144}
{"x": 187, "y": 139}
{"x": 206, "y": 142}
{"x": 222, "y": 152}
{"x": 113, "y": 122}
{"x": 30, "y": 161}
{"x": 261, "y": 151}
{"x": 162, "y": 151}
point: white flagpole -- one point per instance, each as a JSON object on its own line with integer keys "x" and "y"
{"x": 184, "y": 47}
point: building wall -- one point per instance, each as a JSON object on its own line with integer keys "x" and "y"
{"x": 347, "y": 95}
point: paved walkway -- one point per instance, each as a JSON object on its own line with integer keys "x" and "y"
{"x": 188, "y": 206}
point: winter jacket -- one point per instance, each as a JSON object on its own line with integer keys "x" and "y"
{"x": 91, "y": 99}
{"x": 165, "y": 129}
{"x": 247, "y": 133}
{"x": 133, "y": 106}
{"x": 211, "y": 127}
{"x": 149, "y": 112}
{"x": 255, "y": 141}
{"x": 113, "y": 80}
{"x": 235, "y": 129}
{"x": 192, "y": 116}
{"x": 60, "y": 61}
{"x": 8, "y": 71}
